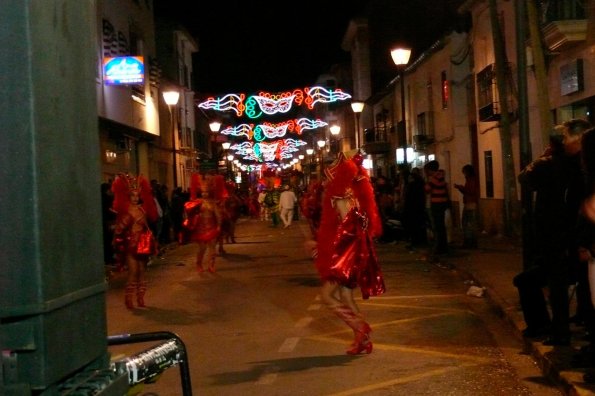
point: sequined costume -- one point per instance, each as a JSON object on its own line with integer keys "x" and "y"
{"x": 346, "y": 252}
{"x": 346, "y": 255}
{"x": 204, "y": 220}
{"x": 203, "y": 217}
{"x": 128, "y": 229}
{"x": 135, "y": 206}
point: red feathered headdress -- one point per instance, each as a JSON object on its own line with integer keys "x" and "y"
{"x": 123, "y": 185}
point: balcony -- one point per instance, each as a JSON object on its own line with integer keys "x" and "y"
{"x": 565, "y": 24}
{"x": 375, "y": 141}
{"x": 421, "y": 141}
{"x": 560, "y": 35}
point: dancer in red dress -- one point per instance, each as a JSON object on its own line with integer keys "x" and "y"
{"x": 346, "y": 253}
{"x": 135, "y": 206}
{"x": 203, "y": 219}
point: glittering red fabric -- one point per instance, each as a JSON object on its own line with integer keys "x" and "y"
{"x": 346, "y": 252}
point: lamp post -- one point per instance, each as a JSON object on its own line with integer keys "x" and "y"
{"x": 215, "y": 126}
{"x": 321, "y": 143}
{"x": 357, "y": 108}
{"x": 226, "y": 146}
{"x": 171, "y": 99}
{"x": 309, "y": 151}
{"x": 335, "y": 131}
{"x": 400, "y": 57}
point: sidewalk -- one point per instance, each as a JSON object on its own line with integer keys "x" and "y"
{"x": 493, "y": 267}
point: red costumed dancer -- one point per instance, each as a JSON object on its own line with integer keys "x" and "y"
{"x": 346, "y": 254}
{"x": 203, "y": 218}
{"x": 134, "y": 205}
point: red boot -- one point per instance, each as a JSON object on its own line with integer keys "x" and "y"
{"x": 140, "y": 294}
{"x": 129, "y": 291}
{"x": 361, "y": 329}
{"x": 362, "y": 342}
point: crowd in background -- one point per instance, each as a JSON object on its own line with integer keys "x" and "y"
{"x": 405, "y": 206}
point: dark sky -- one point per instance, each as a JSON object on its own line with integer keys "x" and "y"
{"x": 274, "y": 46}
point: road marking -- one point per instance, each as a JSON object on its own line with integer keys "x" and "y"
{"x": 401, "y": 380}
{"x": 267, "y": 379}
{"x": 303, "y": 322}
{"x": 289, "y": 344}
{"x": 268, "y": 376}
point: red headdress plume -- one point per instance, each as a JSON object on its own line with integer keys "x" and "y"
{"x": 123, "y": 185}
{"x": 146, "y": 194}
{"x": 121, "y": 190}
{"x": 219, "y": 190}
{"x": 195, "y": 186}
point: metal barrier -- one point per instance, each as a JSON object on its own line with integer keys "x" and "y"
{"x": 148, "y": 364}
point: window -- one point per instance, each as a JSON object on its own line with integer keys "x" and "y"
{"x": 445, "y": 90}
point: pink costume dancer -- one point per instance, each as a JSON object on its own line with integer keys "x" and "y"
{"x": 346, "y": 254}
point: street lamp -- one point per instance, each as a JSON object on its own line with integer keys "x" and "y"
{"x": 171, "y": 99}
{"x": 400, "y": 57}
{"x": 357, "y": 108}
{"x": 309, "y": 151}
{"x": 335, "y": 129}
{"x": 336, "y": 143}
{"x": 321, "y": 143}
{"x": 215, "y": 126}
{"x": 226, "y": 146}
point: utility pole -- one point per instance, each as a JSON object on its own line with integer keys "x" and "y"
{"x": 511, "y": 206}
{"x": 543, "y": 99}
{"x": 528, "y": 239}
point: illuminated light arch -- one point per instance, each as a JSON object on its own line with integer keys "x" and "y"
{"x": 268, "y": 130}
{"x": 267, "y": 151}
{"x": 266, "y": 103}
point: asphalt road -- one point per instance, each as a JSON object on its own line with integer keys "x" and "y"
{"x": 257, "y": 327}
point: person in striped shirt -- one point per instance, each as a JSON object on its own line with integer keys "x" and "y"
{"x": 437, "y": 191}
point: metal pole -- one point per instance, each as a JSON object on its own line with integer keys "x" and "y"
{"x": 356, "y": 130}
{"x": 402, "y": 73}
{"x": 528, "y": 241}
{"x": 173, "y": 146}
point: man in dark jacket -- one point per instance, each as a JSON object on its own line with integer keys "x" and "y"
{"x": 558, "y": 180}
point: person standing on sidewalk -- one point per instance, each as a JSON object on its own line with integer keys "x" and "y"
{"x": 586, "y": 251}
{"x": 346, "y": 254}
{"x": 437, "y": 190}
{"x": 470, "y": 199}
{"x": 414, "y": 214}
{"x": 531, "y": 282}
{"x": 287, "y": 202}
{"x": 562, "y": 176}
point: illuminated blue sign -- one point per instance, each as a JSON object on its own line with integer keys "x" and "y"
{"x": 124, "y": 70}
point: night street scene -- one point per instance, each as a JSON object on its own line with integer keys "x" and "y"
{"x": 263, "y": 198}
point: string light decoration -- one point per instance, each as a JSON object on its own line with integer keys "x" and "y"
{"x": 268, "y": 130}
{"x": 255, "y": 106}
{"x": 267, "y": 151}
{"x": 266, "y": 142}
